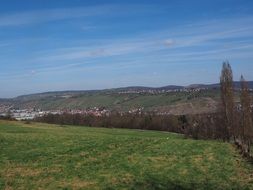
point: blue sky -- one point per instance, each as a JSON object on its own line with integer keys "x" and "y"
{"x": 49, "y": 45}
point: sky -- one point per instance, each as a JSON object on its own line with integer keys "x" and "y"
{"x": 55, "y": 45}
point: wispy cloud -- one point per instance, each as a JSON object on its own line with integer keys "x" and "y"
{"x": 39, "y": 16}
{"x": 215, "y": 35}
{"x": 207, "y": 40}
{"x": 4, "y": 44}
{"x": 48, "y": 15}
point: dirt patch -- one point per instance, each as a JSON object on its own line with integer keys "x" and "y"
{"x": 77, "y": 183}
{"x": 127, "y": 178}
{"x": 197, "y": 159}
{"x": 183, "y": 172}
{"x": 8, "y": 188}
{"x": 21, "y": 171}
{"x": 163, "y": 158}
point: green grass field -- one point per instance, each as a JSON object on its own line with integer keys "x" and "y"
{"x": 40, "y": 156}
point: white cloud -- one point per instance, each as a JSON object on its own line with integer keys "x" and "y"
{"x": 169, "y": 42}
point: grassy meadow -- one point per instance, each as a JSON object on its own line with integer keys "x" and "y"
{"x": 41, "y": 156}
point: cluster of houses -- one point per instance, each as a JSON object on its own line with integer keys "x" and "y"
{"x": 29, "y": 114}
{"x": 136, "y": 111}
{"x": 90, "y": 111}
{"x": 159, "y": 91}
{"x": 26, "y": 114}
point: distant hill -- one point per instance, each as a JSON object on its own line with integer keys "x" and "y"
{"x": 180, "y": 99}
{"x": 124, "y": 89}
{"x": 237, "y": 85}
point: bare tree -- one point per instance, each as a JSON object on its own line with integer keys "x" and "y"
{"x": 227, "y": 100}
{"x": 246, "y": 121}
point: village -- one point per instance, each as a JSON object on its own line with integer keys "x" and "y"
{"x": 32, "y": 113}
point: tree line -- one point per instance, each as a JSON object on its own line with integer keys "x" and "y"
{"x": 233, "y": 121}
{"x": 237, "y": 119}
{"x": 147, "y": 121}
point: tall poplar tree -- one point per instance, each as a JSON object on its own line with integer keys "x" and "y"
{"x": 227, "y": 100}
{"x": 246, "y": 131}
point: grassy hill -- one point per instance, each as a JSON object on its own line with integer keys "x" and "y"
{"x": 174, "y": 102}
{"x": 40, "y": 156}
{"x": 122, "y": 99}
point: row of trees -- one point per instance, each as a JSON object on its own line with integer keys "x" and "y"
{"x": 237, "y": 119}
{"x": 201, "y": 126}
{"x": 131, "y": 121}
{"x": 233, "y": 121}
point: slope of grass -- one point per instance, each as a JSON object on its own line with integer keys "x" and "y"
{"x": 40, "y": 156}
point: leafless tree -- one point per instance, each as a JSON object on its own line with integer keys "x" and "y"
{"x": 246, "y": 132}
{"x": 227, "y": 100}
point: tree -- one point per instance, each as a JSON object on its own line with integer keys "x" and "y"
{"x": 227, "y": 100}
{"x": 246, "y": 131}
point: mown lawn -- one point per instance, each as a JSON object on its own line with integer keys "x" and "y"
{"x": 40, "y": 156}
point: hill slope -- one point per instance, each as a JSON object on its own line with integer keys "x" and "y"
{"x": 124, "y": 99}
{"x": 40, "y": 156}
{"x": 197, "y": 102}
{"x": 185, "y": 102}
